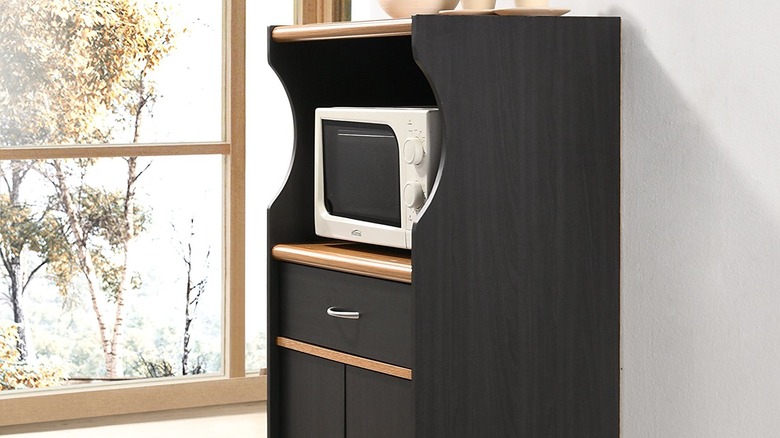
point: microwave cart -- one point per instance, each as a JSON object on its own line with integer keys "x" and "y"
{"x": 503, "y": 319}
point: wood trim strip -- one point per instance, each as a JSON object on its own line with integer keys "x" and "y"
{"x": 117, "y": 150}
{"x": 40, "y": 406}
{"x": 354, "y": 29}
{"x": 347, "y": 359}
{"x": 342, "y": 257}
{"x": 235, "y": 190}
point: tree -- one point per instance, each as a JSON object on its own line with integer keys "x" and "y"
{"x": 99, "y": 227}
{"x": 70, "y": 71}
{"x": 193, "y": 291}
{"x": 22, "y": 232}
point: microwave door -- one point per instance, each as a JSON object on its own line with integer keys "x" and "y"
{"x": 361, "y": 172}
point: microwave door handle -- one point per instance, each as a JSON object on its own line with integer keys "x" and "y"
{"x": 343, "y": 314}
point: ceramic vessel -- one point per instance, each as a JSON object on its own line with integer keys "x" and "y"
{"x": 479, "y": 4}
{"x": 531, "y": 3}
{"x": 407, "y": 8}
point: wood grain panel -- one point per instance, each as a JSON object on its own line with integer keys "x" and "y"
{"x": 313, "y": 398}
{"x": 234, "y": 167}
{"x": 347, "y": 359}
{"x": 350, "y": 258}
{"x": 106, "y": 400}
{"x": 520, "y": 291}
{"x": 112, "y": 150}
{"x": 322, "y": 11}
{"x": 378, "y": 406}
{"x": 383, "y": 331}
{"x": 355, "y": 29}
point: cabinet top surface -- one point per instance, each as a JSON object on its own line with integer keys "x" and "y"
{"x": 349, "y": 29}
{"x": 373, "y": 29}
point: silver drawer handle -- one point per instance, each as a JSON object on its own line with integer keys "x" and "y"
{"x": 344, "y": 314}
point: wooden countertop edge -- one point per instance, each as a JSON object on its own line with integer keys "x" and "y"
{"x": 345, "y": 358}
{"x": 347, "y": 29}
{"x": 340, "y": 259}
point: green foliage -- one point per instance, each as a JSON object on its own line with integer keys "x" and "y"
{"x": 22, "y": 227}
{"x": 102, "y": 219}
{"x": 17, "y": 375}
{"x": 102, "y": 215}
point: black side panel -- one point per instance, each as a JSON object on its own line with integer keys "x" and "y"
{"x": 516, "y": 260}
{"x": 312, "y": 397}
{"x": 378, "y": 406}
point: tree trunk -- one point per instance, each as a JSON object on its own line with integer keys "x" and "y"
{"x": 16, "y": 304}
{"x": 192, "y": 294}
{"x": 187, "y": 317}
{"x": 85, "y": 264}
{"x": 12, "y": 262}
{"x": 125, "y": 285}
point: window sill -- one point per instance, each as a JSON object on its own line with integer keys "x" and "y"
{"x": 106, "y": 400}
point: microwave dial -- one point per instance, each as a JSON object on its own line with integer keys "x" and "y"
{"x": 413, "y": 151}
{"x": 413, "y": 195}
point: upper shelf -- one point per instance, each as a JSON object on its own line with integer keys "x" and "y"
{"x": 349, "y": 29}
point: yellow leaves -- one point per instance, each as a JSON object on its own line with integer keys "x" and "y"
{"x": 62, "y": 13}
{"x": 8, "y": 338}
{"x": 16, "y": 375}
{"x": 70, "y": 63}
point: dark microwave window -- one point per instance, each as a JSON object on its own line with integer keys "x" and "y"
{"x": 360, "y": 168}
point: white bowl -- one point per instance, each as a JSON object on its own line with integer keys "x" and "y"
{"x": 407, "y": 8}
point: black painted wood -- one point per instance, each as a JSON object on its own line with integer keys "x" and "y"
{"x": 358, "y": 72}
{"x": 311, "y": 401}
{"x": 378, "y": 406}
{"x": 516, "y": 260}
{"x": 384, "y": 330}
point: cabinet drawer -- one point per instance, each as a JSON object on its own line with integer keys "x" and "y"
{"x": 382, "y": 332}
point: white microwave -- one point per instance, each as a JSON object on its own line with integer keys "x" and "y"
{"x": 374, "y": 169}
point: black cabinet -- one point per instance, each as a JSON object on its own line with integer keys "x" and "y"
{"x": 378, "y": 405}
{"x": 312, "y": 396}
{"x": 508, "y": 325}
{"x": 326, "y": 399}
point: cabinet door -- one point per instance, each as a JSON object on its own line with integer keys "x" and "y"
{"x": 378, "y": 405}
{"x": 312, "y": 396}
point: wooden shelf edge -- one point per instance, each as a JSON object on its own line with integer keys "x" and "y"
{"x": 341, "y": 257}
{"x": 347, "y": 359}
{"x": 347, "y": 29}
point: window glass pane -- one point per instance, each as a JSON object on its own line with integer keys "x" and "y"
{"x": 111, "y": 268}
{"x": 110, "y": 71}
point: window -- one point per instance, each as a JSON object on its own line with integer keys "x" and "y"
{"x": 212, "y": 142}
{"x": 113, "y": 163}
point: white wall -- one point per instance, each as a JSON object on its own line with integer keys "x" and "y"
{"x": 269, "y": 142}
{"x": 701, "y": 216}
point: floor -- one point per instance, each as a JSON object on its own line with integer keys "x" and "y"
{"x": 245, "y": 420}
